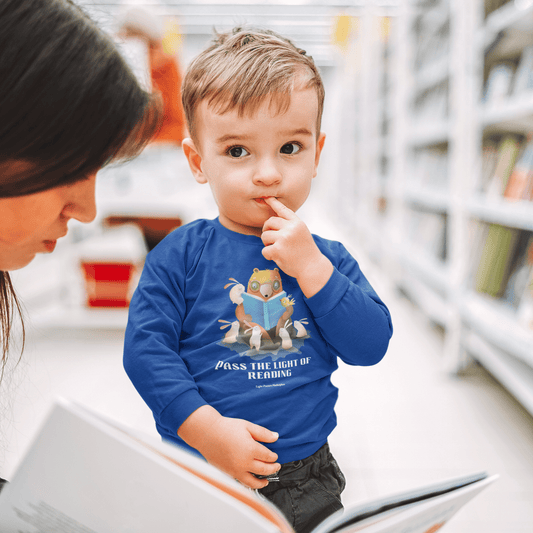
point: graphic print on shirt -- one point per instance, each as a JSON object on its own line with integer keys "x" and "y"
{"x": 264, "y": 324}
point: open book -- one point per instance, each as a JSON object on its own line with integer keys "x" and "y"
{"x": 86, "y": 474}
{"x": 264, "y": 312}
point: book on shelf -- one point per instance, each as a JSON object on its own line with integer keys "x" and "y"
{"x": 525, "y": 305}
{"x": 493, "y": 5}
{"x": 508, "y": 152}
{"x": 427, "y": 231}
{"x": 497, "y": 254}
{"x": 489, "y": 157}
{"x": 520, "y": 271}
{"x": 499, "y": 82}
{"x": 477, "y": 233}
{"x": 84, "y": 473}
{"x": 523, "y": 80}
{"x": 520, "y": 182}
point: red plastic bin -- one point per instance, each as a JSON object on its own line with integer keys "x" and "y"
{"x": 107, "y": 283}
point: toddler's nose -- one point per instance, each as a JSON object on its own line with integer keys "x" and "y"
{"x": 267, "y": 173}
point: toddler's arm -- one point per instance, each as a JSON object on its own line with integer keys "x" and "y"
{"x": 232, "y": 445}
{"x": 352, "y": 319}
{"x": 167, "y": 386}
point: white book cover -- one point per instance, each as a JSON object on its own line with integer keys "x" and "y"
{"x": 84, "y": 474}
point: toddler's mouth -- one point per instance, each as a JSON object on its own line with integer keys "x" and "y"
{"x": 261, "y": 200}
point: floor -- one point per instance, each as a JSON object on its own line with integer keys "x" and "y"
{"x": 409, "y": 424}
{"x": 402, "y": 423}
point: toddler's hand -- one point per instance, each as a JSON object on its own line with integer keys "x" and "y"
{"x": 232, "y": 445}
{"x": 289, "y": 243}
{"x": 236, "y": 449}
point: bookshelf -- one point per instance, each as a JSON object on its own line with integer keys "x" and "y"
{"x": 426, "y": 79}
{"x": 437, "y": 202}
{"x": 492, "y": 332}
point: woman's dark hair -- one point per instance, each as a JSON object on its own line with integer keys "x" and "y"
{"x": 8, "y": 300}
{"x": 69, "y": 104}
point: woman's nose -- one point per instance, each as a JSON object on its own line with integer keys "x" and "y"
{"x": 267, "y": 173}
{"x": 81, "y": 201}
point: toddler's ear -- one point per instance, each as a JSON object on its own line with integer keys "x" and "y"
{"x": 194, "y": 158}
{"x": 319, "y": 145}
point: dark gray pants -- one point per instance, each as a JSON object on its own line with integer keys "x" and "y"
{"x": 308, "y": 491}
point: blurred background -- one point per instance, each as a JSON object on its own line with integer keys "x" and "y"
{"x": 427, "y": 176}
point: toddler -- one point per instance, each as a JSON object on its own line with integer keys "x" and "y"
{"x": 237, "y": 323}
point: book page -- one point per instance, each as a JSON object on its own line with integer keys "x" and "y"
{"x": 83, "y": 475}
{"x": 424, "y": 516}
{"x": 264, "y": 312}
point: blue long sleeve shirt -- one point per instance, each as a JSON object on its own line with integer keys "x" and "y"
{"x": 186, "y": 347}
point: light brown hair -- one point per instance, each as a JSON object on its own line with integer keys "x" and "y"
{"x": 241, "y": 68}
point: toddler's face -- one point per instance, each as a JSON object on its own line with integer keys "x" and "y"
{"x": 245, "y": 159}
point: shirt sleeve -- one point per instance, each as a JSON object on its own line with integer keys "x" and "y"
{"x": 151, "y": 346}
{"x": 351, "y": 317}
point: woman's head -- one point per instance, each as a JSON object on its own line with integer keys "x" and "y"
{"x": 69, "y": 104}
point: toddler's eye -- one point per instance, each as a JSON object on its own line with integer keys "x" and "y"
{"x": 237, "y": 151}
{"x": 290, "y": 148}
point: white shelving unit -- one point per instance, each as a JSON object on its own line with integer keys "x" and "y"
{"x": 440, "y": 52}
{"x": 309, "y": 24}
{"x": 427, "y": 78}
{"x": 492, "y": 334}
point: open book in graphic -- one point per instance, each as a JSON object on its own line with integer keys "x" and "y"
{"x": 266, "y": 313}
{"x": 85, "y": 474}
